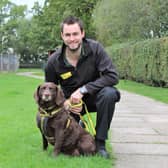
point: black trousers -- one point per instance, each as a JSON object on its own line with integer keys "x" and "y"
{"x": 104, "y": 104}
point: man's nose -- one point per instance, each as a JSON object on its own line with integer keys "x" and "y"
{"x": 71, "y": 37}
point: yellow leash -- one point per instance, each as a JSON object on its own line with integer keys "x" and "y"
{"x": 91, "y": 125}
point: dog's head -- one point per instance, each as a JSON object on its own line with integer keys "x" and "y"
{"x": 49, "y": 94}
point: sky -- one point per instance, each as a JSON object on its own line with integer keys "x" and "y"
{"x": 29, "y": 3}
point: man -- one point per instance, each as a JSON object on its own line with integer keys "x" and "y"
{"x": 84, "y": 71}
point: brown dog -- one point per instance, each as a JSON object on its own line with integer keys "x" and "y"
{"x": 57, "y": 126}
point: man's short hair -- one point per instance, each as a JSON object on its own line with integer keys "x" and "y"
{"x": 72, "y": 20}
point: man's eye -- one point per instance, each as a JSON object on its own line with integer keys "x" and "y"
{"x": 67, "y": 35}
{"x": 75, "y": 34}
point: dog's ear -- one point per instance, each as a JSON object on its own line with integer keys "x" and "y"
{"x": 36, "y": 94}
{"x": 60, "y": 98}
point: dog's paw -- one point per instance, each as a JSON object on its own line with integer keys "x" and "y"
{"x": 55, "y": 153}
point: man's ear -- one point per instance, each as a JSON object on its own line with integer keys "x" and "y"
{"x": 36, "y": 94}
{"x": 83, "y": 34}
{"x": 62, "y": 36}
{"x": 60, "y": 98}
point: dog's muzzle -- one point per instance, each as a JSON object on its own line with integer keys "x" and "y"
{"x": 46, "y": 97}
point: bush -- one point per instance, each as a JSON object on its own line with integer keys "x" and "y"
{"x": 145, "y": 61}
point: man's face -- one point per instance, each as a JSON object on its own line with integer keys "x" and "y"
{"x": 72, "y": 36}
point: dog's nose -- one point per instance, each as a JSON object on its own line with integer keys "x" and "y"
{"x": 46, "y": 93}
{"x": 46, "y": 96}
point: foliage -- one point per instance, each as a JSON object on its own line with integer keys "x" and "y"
{"x": 127, "y": 20}
{"x": 10, "y": 14}
{"x": 54, "y": 12}
{"x": 20, "y": 139}
{"x": 113, "y": 21}
{"x": 145, "y": 61}
{"x": 33, "y": 37}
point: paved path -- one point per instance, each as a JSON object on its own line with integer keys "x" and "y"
{"x": 30, "y": 74}
{"x": 140, "y": 132}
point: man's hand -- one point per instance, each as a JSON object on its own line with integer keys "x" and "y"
{"x": 75, "y": 98}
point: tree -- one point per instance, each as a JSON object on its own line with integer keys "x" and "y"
{"x": 33, "y": 37}
{"x": 4, "y": 12}
{"x": 45, "y": 23}
{"x": 9, "y": 17}
{"x": 54, "y": 12}
{"x": 161, "y": 19}
{"x": 127, "y": 20}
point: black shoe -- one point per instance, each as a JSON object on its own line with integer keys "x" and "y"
{"x": 101, "y": 150}
{"x": 103, "y": 153}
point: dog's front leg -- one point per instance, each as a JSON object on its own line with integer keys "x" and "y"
{"x": 45, "y": 142}
{"x": 58, "y": 142}
{"x": 38, "y": 121}
{"x": 56, "y": 151}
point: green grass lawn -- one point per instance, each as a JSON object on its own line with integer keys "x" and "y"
{"x": 20, "y": 140}
{"x": 157, "y": 93}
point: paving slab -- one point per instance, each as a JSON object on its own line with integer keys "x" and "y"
{"x": 139, "y": 132}
{"x": 131, "y": 138}
{"x": 141, "y": 161}
{"x": 141, "y": 148}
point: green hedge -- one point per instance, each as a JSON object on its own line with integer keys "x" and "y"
{"x": 145, "y": 61}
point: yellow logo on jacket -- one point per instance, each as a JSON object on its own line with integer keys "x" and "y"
{"x": 66, "y": 75}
